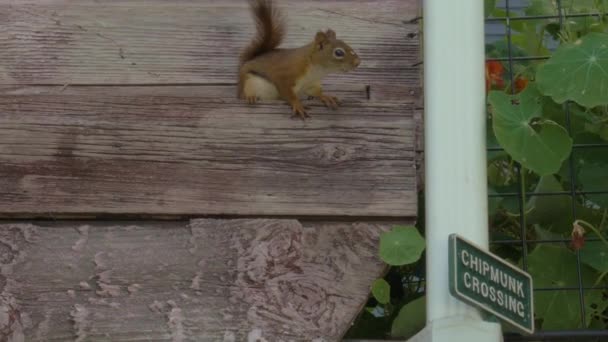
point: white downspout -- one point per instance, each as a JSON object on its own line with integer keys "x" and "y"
{"x": 455, "y": 159}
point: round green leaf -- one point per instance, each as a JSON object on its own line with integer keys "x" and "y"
{"x": 401, "y": 246}
{"x": 381, "y": 291}
{"x": 411, "y": 319}
{"x": 556, "y": 266}
{"x": 594, "y": 176}
{"x": 553, "y": 212}
{"x": 595, "y": 254}
{"x": 539, "y": 144}
{"x": 577, "y": 71}
{"x": 592, "y": 173}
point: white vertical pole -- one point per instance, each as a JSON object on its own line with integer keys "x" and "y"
{"x": 455, "y": 158}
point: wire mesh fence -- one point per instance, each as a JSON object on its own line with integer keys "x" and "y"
{"x": 523, "y": 226}
{"x": 533, "y": 218}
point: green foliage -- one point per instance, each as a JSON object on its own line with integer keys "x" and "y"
{"x": 391, "y": 311}
{"x": 489, "y": 6}
{"x": 578, "y": 72}
{"x": 555, "y": 266}
{"x": 401, "y": 246}
{"x": 529, "y": 120}
{"x": 541, "y": 7}
{"x": 381, "y": 291}
{"x": 595, "y": 254}
{"x": 370, "y": 326}
{"x": 538, "y": 110}
{"x": 594, "y": 176}
{"x": 537, "y": 143}
{"x": 411, "y": 319}
{"x": 551, "y": 212}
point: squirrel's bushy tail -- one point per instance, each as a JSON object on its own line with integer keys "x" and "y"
{"x": 270, "y": 30}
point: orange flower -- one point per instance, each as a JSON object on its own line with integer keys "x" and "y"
{"x": 494, "y": 67}
{"x": 494, "y": 71}
{"x": 520, "y": 84}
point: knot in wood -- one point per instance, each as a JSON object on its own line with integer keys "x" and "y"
{"x": 333, "y": 153}
{"x": 306, "y": 297}
{"x": 7, "y": 255}
{"x": 273, "y": 252}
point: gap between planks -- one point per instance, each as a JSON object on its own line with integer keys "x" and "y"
{"x": 376, "y": 92}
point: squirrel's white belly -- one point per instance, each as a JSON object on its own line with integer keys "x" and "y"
{"x": 265, "y": 90}
{"x": 260, "y": 87}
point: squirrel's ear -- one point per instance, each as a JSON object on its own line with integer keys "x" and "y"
{"x": 320, "y": 39}
{"x": 330, "y": 34}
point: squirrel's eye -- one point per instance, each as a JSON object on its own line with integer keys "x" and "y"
{"x": 338, "y": 52}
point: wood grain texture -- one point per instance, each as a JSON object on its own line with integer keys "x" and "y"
{"x": 172, "y": 155}
{"x": 190, "y": 42}
{"x": 376, "y": 93}
{"x": 207, "y": 280}
{"x": 126, "y": 107}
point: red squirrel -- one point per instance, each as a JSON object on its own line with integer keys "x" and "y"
{"x": 267, "y": 72}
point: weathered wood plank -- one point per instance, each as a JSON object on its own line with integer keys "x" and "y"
{"x": 209, "y": 280}
{"x": 189, "y": 42}
{"x": 376, "y": 93}
{"x": 171, "y": 155}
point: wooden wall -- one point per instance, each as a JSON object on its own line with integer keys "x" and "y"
{"x": 142, "y": 202}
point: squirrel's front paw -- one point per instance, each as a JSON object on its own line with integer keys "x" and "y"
{"x": 329, "y": 101}
{"x": 252, "y": 99}
{"x": 300, "y": 111}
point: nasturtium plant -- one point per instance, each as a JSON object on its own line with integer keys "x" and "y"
{"x": 594, "y": 176}
{"x": 539, "y": 144}
{"x": 550, "y": 7}
{"x": 547, "y": 120}
{"x": 577, "y": 71}
{"x": 541, "y": 7}
{"x": 564, "y": 100}
{"x": 402, "y": 245}
{"x": 411, "y": 319}
{"x": 603, "y": 131}
{"x": 493, "y": 202}
{"x": 584, "y": 6}
{"x": 544, "y": 234}
{"x": 401, "y": 248}
{"x": 553, "y": 212}
{"x": 595, "y": 254}
{"x": 381, "y": 291}
{"x": 489, "y": 6}
{"x": 556, "y": 266}
{"x": 592, "y": 172}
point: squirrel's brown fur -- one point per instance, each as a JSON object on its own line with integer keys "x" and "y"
{"x": 268, "y": 72}
{"x": 270, "y": 28}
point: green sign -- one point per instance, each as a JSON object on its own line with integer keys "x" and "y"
{"x": 484, "y": 280}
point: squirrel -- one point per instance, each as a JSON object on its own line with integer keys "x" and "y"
{"x": 267, "y": 72}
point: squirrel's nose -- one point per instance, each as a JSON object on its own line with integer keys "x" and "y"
{"x": 357, "y": 61}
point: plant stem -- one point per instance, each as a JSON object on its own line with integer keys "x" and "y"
{"x": 590, "y": 226}
{"x": 522, "y": 177}
{"x": 599, "y": 280}
{"x": 603, "y": 221}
